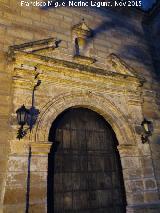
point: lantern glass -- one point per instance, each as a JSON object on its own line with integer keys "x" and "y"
{"x": 147, "y": 126}
{"x": 22, "y": 115}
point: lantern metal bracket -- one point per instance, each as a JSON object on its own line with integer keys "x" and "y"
{"x": 21, "y": 132}
{"x": 28, "y": 116}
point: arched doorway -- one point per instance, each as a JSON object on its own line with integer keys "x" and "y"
{"x": 84, "y": 169}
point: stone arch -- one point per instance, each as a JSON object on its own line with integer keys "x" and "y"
{"x": 111, "y": 113}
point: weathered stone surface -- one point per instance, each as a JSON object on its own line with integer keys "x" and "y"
{"x": 17, "y": 208}
{"x": 151, "y": 196}
{"x": 37, "y": 208}
{"x": 134, "y": 186}
{"x": 150, "y": 184}
{"x": 15, "y": 196}
{"x": 38, "y": 193}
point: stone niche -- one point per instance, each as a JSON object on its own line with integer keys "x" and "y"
{"x": 81, "y": 37}
{"x": 114, "y": 93}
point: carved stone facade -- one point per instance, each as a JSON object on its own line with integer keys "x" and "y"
{"x": 111, "y": 86}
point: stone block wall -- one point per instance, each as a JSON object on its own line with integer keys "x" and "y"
{"x": 153, "y": 25}
{"x": 154, "y": 35}
{"x": 119, "y": 32}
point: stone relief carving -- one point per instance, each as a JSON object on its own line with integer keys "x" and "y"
{"x": 118, "y": 65}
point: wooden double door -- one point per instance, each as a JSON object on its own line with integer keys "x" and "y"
{"x": 85, "y": 173}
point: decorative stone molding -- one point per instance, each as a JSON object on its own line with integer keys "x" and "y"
{"x": 47, "y": 66}
{"x": 89, "y": 78}
{"x": 40, "y": 148}
{"x": 128, "y": 150}
{"x": 33, "y": 47}
{"x": 105, "y": 107}
{"x": 119, "y": 65}
{"x": 83, "y": 59}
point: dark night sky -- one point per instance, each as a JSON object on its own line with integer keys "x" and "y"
{"x": 147, "y": 4}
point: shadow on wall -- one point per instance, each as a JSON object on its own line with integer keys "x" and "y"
{"x": 133, "y": 38}
{"x": 156, "y": 139}
{"x": 50, "y": 178}
{"x": 154, "y": 42}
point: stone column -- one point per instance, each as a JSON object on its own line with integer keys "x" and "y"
{"x": 26, "y": 181}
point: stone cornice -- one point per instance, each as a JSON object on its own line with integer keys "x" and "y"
{"x": 57, "y": 64}
{"x": 34, "y": 45}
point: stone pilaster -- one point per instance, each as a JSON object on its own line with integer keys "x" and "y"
{"x": 26, "y": 184}
{"x": 38, "y": 177}
{"x": 16, "y": 177}
{"x": 141, "y": 188}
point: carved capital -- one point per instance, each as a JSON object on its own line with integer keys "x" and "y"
{"x": 40, "y": 148}
{"x": 126, "y": 150}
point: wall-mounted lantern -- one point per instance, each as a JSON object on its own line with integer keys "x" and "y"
{"x": 22, "y": 117}
{"x": 27, "y": 116}
{"x": 147, "y": 129}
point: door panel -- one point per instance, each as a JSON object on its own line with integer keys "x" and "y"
{"x": 87, "y": 172}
